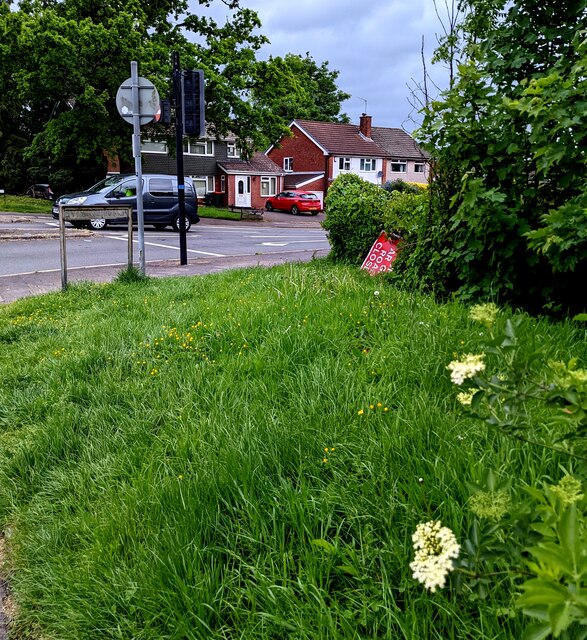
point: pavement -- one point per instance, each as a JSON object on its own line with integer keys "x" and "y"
{"x": 36, "y": 283}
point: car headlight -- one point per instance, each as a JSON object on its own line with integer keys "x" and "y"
{"x": 78, "y": 200}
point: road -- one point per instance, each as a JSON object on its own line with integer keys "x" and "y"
{"x": 30, "y": 259}
{"x": 109, "y": 247}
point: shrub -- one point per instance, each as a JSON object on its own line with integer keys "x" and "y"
{"x": 401, "y": 186}
{"x": 354, "y": 217}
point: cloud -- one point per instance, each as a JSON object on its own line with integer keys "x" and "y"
{"x": 375, "y": 45}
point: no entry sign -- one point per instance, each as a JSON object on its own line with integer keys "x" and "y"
{"x": 382, "y": 255}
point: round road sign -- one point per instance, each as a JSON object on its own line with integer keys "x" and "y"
{"x": 148, "y": 101}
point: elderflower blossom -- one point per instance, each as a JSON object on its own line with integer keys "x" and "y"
{"x": 568, "y": 490}
{"x": 435, "y": 547}
{"x": 484, "y": 313}
{"x": 466, "y": 397}
{"x": 469, "y": 366}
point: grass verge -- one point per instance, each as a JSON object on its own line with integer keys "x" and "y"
{"x": 215, "y": 212}
{"x": 24, "y": 204}
{"x": 243, "y": 455}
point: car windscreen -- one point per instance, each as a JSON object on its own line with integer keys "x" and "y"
{"x": 309, "y": 196}
{"x": 110, "y": 181}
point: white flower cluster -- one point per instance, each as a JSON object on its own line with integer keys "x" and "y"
{"x": 435, "y": 548}
{"x": 469, "y": 366}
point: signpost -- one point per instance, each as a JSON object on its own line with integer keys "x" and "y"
{"x": 382, "y": 255}
{"x": 108, "y": 212}
{"x": 138, "y": 103}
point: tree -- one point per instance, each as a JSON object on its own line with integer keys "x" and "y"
{"x": 66, "y": 59}
{"x": 507, "y": 154}
{"x": 297, "y": 87}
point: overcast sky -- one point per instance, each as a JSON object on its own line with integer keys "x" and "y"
{"x": 374, "y": 44}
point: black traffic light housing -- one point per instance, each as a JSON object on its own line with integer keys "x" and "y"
{"x": 194, "y": 123}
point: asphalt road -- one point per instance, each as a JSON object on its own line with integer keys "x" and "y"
{"x": 30, "y": 257}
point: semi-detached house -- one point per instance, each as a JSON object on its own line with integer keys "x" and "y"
{"x": 318, "y": 152}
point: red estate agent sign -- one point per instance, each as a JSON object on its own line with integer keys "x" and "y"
{"x": 382, "y": 254}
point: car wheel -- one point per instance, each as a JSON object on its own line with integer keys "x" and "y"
{"x": 159, "y": 227}
{"x": 97, "y": 224}
{"x": 295, "y": 210}
{"x": 188, "y": 223}
{"x": 314, "y": 213}
{"x": 269, "y": 206}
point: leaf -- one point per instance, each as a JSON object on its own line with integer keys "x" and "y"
{"x": 348, "y": 568}
{"x": 536, "y": 631}
{"x": 539, "y": 591}
{"x": 560, "y": 617}
{"x": 324, "y": 544}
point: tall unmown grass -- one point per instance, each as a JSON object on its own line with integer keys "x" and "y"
{"x": 172, "y": 449}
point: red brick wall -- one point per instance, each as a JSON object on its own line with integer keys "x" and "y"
{"x": 307, "y": 156}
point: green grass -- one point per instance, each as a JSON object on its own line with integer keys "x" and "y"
{"x": 24, "y": 204}
{"x": 216, "y": 212}
{"x": 163, "y": 447}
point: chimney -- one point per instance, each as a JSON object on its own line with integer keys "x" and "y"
{"x": 365, "y": 125}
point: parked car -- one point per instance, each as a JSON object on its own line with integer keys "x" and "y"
{"x": 43, "y": 191}
{"x": 295, "y": 202}
{"x": 160, "y": 200}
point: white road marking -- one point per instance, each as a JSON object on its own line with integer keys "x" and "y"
{"x": 166, "y": 246}
{"x": 284, "y": 244}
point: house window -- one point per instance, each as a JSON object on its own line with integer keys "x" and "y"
{"x": 288, "y": 164}
{"x": 153, "y": 146}
{"x": 399, "y": 166}
{"x": 268, "y": 186}
{"x": 368, "y": 164}
{"x": 418, "y": 167}
{"x": 344, "y": 164}
{"x": 199, "y": 147}
{"x": 231, "y": 150}
{"x": 203, "y": 185}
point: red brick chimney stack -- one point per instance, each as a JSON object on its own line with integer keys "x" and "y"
{"x": 365, "y": 125}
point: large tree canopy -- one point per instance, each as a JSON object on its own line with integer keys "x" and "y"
{"x": 509, "y": 215}
{"x": 297, "y": 87}
{"x": 63, "y": 61}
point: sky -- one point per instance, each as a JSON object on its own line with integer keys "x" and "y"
{"x": 375, "y": 45}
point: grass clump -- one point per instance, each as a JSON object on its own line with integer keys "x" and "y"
{"x": 24, "y": 204}
{"x": 242, "y": 455}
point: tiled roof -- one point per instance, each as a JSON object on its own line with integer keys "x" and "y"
{"x": 397, "y": 143}
{"x": 341, "y": 139}
{"x": 259, "y": 163}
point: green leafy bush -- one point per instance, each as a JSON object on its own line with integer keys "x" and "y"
{"x": 354, "y": 217}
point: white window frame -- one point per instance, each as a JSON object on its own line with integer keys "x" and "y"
{"x": 287, "y": 164}
{"x": 344, "y": 164}
{"x": 401, "y": 163}
{"x": 190, "y": 147}
{"x": 158, "y": 143}
{"x": 232, "y": 150}
{"x": 368, "y": 164}
{"x": 268, "y": 186}
{"x": 419, "y": 167}
{"x": 209, "y": 184}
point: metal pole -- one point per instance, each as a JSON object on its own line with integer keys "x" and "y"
{"x": 62, "y": 249}
{"x": 183, "y": 252}
{"x": 136, "y": 151}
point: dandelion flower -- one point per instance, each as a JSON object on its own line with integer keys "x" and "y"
{"x": 360, "y": 412}
{"x": 467, "y": 367}
{"x": 435, "y": 548}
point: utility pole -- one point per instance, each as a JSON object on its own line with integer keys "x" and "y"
{"x": 177, "y": 96}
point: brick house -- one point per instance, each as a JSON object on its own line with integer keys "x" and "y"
{"x": 218, "y": 171}
{"x": 318, "y": 152}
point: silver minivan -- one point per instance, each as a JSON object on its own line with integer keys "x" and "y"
{"x": 160, "y": 200}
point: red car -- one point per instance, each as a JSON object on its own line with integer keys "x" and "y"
{"x": 294, "y": 202}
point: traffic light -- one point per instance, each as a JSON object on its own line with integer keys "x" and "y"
{"x": 192, "y": 92}
{"x": 165, "y": 115}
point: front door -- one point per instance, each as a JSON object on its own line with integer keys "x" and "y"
{"x": 243, "y": 191}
